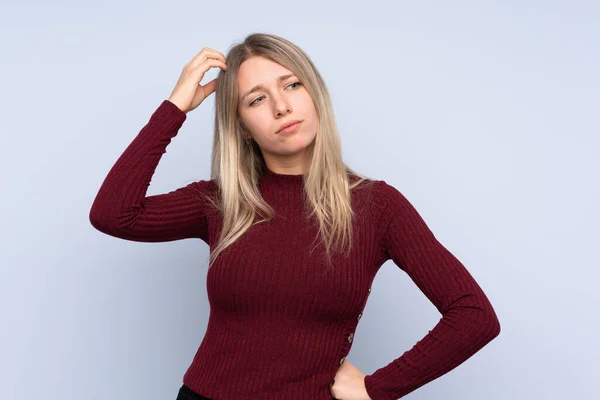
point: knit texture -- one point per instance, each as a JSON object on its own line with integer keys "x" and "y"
{"x": 281, "y": 323}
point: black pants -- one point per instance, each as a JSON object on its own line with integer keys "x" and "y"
{"x": 185, "y": 393}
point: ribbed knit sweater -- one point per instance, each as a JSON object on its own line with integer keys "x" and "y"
{"x": 281, "y": 323}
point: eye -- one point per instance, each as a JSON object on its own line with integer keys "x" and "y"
{"x": 254, "y": 101}
{"x": 260, "y": 97}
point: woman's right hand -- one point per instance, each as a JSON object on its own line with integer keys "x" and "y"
{"x": 188, "y": 93}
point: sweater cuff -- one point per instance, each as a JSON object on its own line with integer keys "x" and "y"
{"x": 168, "y": 117}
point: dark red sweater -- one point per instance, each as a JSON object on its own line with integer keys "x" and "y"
{"x": 281, "y": 323}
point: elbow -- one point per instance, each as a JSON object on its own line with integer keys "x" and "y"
{"x": 483, "y": 320}
{"x": 485, "y": 329}
{"x": 492, "y": 325}
{"x": 112, "y": 223}
{"x": 489, "y": 324}
{"x": 101, "y": 220}
{"x": 96, "y": 213}
{"x": 492, "y": 322}
{"x": 98, "y": 221}
{"x": 95, "y": 218}
{"x": 479, "y": 315}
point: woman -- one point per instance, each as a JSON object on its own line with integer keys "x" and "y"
{"x": 296, "y": 237}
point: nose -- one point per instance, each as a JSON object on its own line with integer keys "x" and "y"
{"x": 281, "y": 106}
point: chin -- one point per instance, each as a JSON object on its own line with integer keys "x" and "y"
{"x": 289, "y": 149}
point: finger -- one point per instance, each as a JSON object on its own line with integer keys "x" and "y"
{"x": 205, "y": 54}
{"x": 206, "y": 65}
{"x": 217, "y": 53}
{"x": 208, "y": 56}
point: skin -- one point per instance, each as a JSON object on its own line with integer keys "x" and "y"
{"x": 349, "y": 383}
{"x": 264, "y": 111}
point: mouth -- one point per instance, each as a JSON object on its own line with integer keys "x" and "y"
{"x": 289, "y": 127}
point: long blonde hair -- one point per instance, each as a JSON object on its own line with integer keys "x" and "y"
{"x": 238, "y": 164}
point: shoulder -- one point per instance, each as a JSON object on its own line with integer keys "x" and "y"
{"x": 391, "y": 202}
{"x": 361, "y": 187}
{"x": 388, "y": 193}
{"x": 375, "y": 195}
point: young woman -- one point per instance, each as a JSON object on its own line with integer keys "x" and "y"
{"x": 296, "y": 237}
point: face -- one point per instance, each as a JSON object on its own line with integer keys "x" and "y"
{"x": 278, "y": 98}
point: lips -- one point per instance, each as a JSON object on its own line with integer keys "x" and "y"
{"x": 288, "y": 124}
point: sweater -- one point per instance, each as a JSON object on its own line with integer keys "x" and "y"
{"x": 281, "y": 322}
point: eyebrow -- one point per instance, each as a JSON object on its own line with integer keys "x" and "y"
{"x": 258, "y": 87}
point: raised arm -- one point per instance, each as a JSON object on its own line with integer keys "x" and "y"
{"x": 468, "y": 320}
{"x": 121, "y": 207}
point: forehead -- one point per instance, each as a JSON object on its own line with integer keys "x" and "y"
{"x": 259, "y": 70}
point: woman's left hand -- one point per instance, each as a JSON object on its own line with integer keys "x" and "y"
{"x": 349, "y": 383}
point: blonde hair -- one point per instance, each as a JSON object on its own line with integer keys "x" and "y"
{"x": 238, "y": 164}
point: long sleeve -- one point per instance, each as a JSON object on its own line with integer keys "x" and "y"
{"x": 121, "y": 207}
{"x": 468, "y": 319}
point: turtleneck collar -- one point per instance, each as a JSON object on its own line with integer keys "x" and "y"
{"x": 281, "y": 179}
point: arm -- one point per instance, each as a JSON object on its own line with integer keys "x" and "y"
{"x": 468, "y": 320}
{"x": 121, "y": 208}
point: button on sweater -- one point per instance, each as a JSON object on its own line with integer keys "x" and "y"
{"x": 281, "y": 320}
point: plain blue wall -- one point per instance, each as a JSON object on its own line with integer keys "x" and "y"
{"x": 484, "y": 114}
